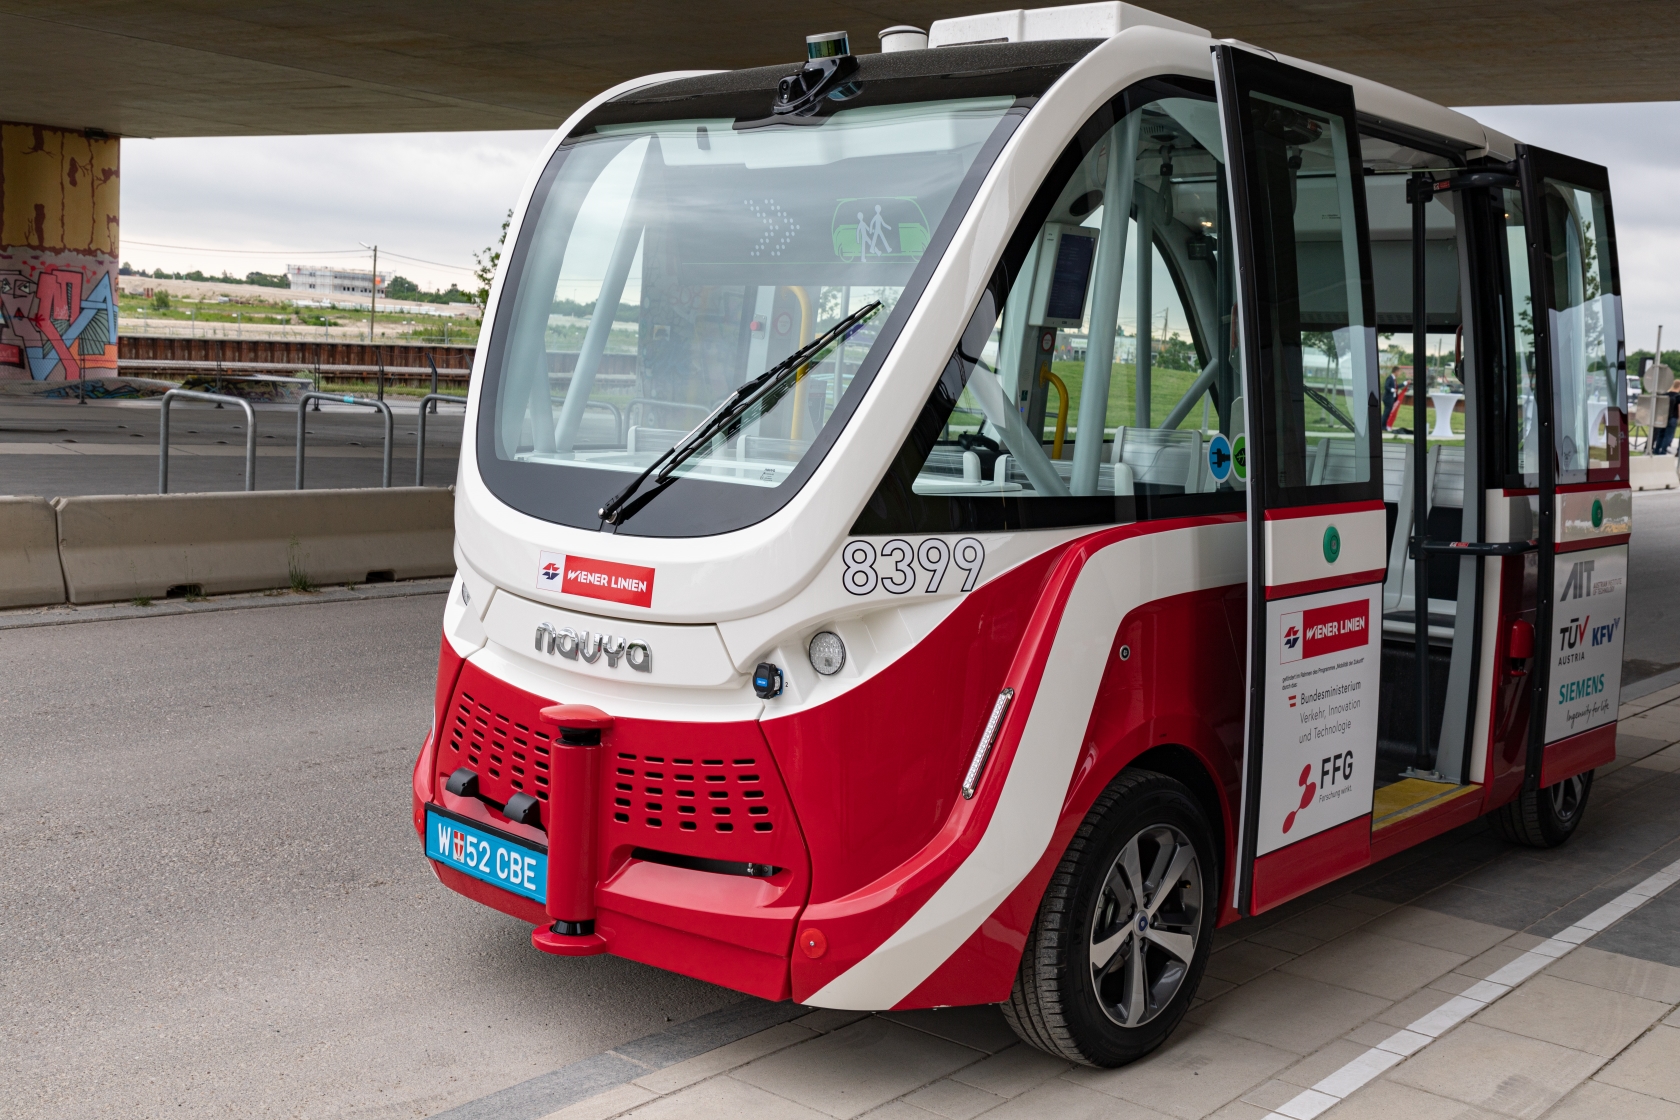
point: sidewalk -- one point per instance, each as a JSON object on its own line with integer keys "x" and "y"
{"x": 1299, "y": 993}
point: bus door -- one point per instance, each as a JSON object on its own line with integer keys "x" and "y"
{"x": 1310, "y": 451}
{"x": 1574, "y": 454}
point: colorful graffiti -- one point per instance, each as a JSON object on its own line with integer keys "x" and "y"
{"x": 58, "y": 253}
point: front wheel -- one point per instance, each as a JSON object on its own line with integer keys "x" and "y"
{"x": 1546, "y": 817}
{"x": 1125, "y": 928}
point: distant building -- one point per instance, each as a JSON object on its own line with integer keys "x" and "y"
{"x": 333, "y": 281}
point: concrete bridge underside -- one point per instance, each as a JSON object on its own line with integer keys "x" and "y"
{"x": 202, "y": 68}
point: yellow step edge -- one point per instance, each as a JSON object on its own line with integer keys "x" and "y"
{"x": 1410, "y": 796}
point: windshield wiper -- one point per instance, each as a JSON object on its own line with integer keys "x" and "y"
{"x": 1324, "y": 402}
{"x": 734, "y": 406}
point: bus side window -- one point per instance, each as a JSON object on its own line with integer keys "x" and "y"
{"x": 1099, "y": 367}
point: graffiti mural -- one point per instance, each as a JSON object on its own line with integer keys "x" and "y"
{"x": 58, "y": 254}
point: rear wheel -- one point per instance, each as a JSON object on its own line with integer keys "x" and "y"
{"x": 1545, "y": 817}
{"x": 1125, "y": 928}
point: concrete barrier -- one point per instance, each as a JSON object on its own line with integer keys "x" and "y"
{"x": 29, "y": 571}
{"x": 1654, "y": 472}
{"x": 145, "y": 545}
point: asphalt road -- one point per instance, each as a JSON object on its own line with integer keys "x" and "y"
{"x": 60, "y": 449}
{"x": 215, "y": 905}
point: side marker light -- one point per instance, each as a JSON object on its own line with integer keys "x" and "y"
{"x": 812, "y": 942}
{"x": 972, "y": 781}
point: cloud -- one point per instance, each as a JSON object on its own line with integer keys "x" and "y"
{"x": 266, "y": 202}
{"x": 441, "y": 196}
{"x": 1640, "y": 145}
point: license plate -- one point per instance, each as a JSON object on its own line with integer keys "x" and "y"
{"x": 486, "y": 855}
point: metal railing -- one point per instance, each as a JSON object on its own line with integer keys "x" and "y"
{"x": 429, "y": 401}
{"x": 250, "y": 437}
{"x": 303, "y": 403}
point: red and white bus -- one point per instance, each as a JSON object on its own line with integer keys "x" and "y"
{"x": 928, "y": 532}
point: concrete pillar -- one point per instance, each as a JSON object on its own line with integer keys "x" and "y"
{"x": 58, "y": 253}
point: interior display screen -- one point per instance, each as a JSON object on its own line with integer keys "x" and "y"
{"x": 1071, "y": 277}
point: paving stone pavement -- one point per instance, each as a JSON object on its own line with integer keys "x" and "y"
{"x": 1296, "y": 994}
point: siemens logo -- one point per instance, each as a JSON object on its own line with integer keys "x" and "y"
{"x": 1581, "y": 689}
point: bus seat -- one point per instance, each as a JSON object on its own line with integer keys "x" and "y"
{"x": 639, "y": 438}
{"x": 1160, "y": 461}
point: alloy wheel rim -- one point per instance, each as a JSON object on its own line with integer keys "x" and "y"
{"x": 1146, "y": 925}
{"x": 1566, "y": 797}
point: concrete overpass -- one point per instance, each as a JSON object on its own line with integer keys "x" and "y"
{"x": 78, "y": 75}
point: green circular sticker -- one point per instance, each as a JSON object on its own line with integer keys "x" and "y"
{"x": 1332, "y": 545}
{"x": 1239, "y": 458}
{"x": 1598, "y": 513}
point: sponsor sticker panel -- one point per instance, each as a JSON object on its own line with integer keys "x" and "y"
{"x": 1323, "y": 670}
{"x": 595, "y": 579}
{"x": 1588, "y": 619}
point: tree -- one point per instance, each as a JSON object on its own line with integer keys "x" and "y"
{"x": 401, "y": 287}
{"x": 485, "y": 263}
{"x": 160, "y": 300}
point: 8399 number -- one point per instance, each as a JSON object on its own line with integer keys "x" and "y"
{"x": 905, "y": 563}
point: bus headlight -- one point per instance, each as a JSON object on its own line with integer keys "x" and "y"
{"x": 828, "y": 653}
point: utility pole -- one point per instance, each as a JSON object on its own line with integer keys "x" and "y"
{"x": 373, "y": 290}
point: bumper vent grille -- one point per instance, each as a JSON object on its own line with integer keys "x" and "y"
{"x": 714, "y": 794}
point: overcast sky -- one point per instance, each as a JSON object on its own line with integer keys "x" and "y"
{"x": 438, "y": 197}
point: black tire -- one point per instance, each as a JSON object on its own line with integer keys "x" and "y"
{"x": 1064, "y": 1005}
{"x": 1546, "y": 817}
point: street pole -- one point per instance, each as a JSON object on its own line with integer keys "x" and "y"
{"x": 373, "y": 294}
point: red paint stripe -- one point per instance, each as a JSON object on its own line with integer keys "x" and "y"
{"x": 1293, "y": 871}
{"x": 1609, "y": 486}
{"x": 1286, "y": 512}
{"x": 1328, "y": 583}
{"x": 1593, "y": 542}
{"x": 1578, "y": 754}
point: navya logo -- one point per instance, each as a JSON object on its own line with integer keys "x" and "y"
{"x": 1579, "y": 584}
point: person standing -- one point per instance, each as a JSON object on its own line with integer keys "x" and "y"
{"x": 1665, "y": 438}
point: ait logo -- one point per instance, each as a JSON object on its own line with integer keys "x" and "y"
{"x": 1309, "y": 790}
{"x": 1579, "y": 584}
{"x": 550, "y": 571}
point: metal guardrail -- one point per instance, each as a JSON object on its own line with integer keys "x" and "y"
{"x": 429, "y": 401}
{"x": 303, "y": 402}
{"x": 250, "y": 437}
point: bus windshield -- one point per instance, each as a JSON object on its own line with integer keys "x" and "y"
{"x": 664, "y": 264}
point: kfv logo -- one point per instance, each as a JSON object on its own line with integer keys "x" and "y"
{"x": 1579, "y": 583}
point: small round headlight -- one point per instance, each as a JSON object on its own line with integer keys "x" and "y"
{"x": 828, "y": 653}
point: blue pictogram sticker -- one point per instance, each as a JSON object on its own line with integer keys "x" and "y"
{"x": 1219, "y": 457}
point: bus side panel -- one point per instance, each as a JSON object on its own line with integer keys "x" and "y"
{"x": 886, "y": 939}
{"x": 449, "y": 668}
{"x": 874, "y": 773}
{"x": 1178, "y": 697}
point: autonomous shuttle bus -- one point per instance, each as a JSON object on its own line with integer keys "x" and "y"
{"x": 956, "y": 525}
